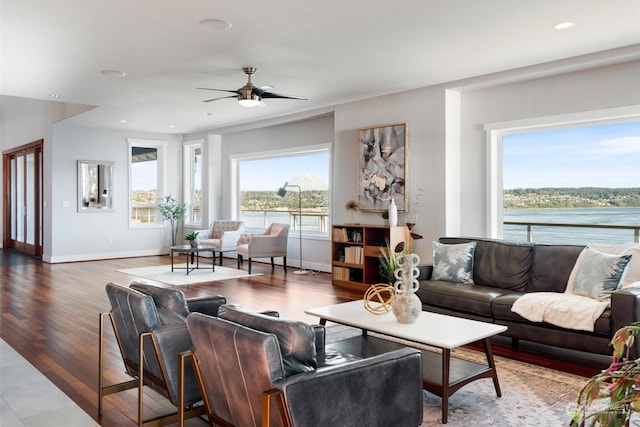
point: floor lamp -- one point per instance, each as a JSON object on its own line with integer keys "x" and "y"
{"x": 282, "y": 191}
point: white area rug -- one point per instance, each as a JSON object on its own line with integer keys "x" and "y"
{"x": 162, "y": 273}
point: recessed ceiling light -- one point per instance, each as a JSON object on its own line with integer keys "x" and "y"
{"x": 172, "y": 126}
{"x": 54, "y": 95}
{"x": 564, "y": 26}
{"x": 216, "y": 24}
{"x": 113, "y": 73}
{"x": 123, "y": 121}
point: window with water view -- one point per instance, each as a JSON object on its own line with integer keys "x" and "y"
{"x": 583, "y": 175}
{"x": 260, "y": 179}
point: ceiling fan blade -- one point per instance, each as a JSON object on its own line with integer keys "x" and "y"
{"x": 277, "y": 95}
{"x": 219, "y": 90}
{"x": 222, "y": 97}
{"x": 262, "y": 89}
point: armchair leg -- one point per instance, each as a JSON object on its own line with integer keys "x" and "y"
{"x": 273, "y": 266}
{"x": 239, "y": 261}
{"x": 284, "y": 263}
{"x": 249, "y": 265}
{"x": 214, "y": 260}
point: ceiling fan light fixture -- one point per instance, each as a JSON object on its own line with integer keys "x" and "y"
{"x": 246, "y": 96}
{"x": 249, "y": 102}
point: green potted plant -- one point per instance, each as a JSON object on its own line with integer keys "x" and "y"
{"x": 191, "y": 238}
{"x": 387, "y": 259}
{"x": 172, "y": 211}
{"x": 610, "y": 397}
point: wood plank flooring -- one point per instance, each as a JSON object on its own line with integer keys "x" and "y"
{"x": 49, "y": 314}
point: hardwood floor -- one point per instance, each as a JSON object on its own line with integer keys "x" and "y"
{"x": 49, "y": 314}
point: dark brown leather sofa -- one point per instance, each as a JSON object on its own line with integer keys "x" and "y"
{"x": 503, "y": 271}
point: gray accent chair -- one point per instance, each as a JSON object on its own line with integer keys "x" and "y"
{"x": 247, "y": 362}
{"x": 269, "y": 244}
{"x": 222, "y": 234}
{"x": 150, "y": 328}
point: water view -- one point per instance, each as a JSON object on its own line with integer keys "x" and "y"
{"x": 578, "y": 236}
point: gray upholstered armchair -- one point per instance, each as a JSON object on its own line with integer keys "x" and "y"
{"x": 150, "y": 327}
{"x": 272, "y": 243}
{"x": 262, "y": 360}
{"x": 222, "y": 235}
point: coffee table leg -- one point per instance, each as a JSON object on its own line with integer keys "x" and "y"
{"x": 172, "y": 260}
{"x": 446, "y": 360}
{"x": 492, "y": 365}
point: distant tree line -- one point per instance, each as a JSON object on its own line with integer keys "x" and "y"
{"x": 266, "y": 200}
{"x": 583, "y": 197}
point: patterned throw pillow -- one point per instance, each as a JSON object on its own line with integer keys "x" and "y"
{"x": 453, "y": 263}
{"x": 597, "y": 274}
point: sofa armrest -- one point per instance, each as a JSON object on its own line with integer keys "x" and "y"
{"x": 206, "y": 305}
{"x": 425, "y": 272}
{"x": 381, "y": 390}
{"x": 625, "y": 310}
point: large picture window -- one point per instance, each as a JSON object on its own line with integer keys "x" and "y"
{"x": 261, "y": 175}
{"x": 584, "y": 176}
{"x": 146, "y": 171}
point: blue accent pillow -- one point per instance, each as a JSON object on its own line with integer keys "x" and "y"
{"x": 453, "y": 263}
{"x": 597, "y": 274}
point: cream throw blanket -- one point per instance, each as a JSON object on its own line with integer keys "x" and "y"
{"x": 565, "y": 310}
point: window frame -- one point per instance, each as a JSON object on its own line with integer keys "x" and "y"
{"x": 236, "y": 159}
{"x": 189, "y": 148}
{"x": 161, "y": 147}
{"x": 495, "y": 132}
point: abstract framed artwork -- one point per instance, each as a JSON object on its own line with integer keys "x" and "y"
{"x": 382, "y": 169}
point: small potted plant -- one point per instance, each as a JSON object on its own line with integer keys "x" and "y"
{"x": 191, "y": 237}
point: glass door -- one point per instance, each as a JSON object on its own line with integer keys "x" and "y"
{"x": 23, "y": 207}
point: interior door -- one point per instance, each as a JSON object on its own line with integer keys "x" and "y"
{"x": 23, "y": 198}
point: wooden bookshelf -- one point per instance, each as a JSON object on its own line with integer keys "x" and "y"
{"x": 355, "y": 252}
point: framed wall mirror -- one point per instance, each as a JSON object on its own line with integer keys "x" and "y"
{"x": 96, "y": 186}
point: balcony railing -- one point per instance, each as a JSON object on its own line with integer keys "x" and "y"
{"x": 312, "y": 220}
{"x": 531, "y": 225}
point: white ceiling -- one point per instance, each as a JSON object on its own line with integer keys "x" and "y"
{"x": 330, "y": 51}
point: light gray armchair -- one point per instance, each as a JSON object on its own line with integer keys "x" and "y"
{"x": 222, "y": 235}
{"x": 272, "y": 243}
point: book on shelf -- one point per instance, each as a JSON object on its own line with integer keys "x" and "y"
{"x": 354, "y": 255}
{"x": 340, "y": 273}
{"x": 340, "y": 235}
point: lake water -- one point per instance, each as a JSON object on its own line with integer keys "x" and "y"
{"x": 579, "y": 236}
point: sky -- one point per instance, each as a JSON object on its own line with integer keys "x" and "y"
{"x": 598, "y": 156}
{"x": 271, "y": 174}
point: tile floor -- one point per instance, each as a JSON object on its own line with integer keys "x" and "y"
{"x": 29, "y": 399}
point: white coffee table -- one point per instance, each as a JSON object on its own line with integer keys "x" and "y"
{"x": 442, "y": 374}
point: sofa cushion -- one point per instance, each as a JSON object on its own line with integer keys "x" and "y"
{"x": 463, "y": 297}
{"x": 552, "y": 265}
{"x": 453, "y": 263}
{"x": 598, "y": 274}
{"x": 297, "y": 340}
{"x": 499, "y": 264}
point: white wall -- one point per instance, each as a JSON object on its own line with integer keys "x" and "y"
{"x": 99, "y": 235}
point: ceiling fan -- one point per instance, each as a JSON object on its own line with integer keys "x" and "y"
{"x": 249, "y": 95}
